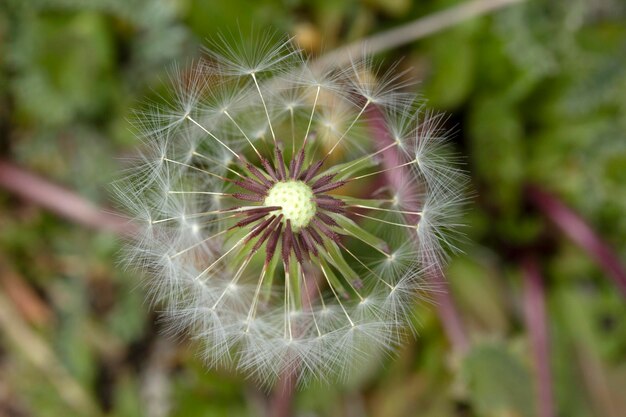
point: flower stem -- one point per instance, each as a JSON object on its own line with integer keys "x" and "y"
{"x": 411, "y": 31}
{"x": 446, "y": 308}
{"x": 60, "y": 200}
{"x": 580, "y": 232}
{"x": 536, "y": 322}
{"x": 449, "y": 315}
{"x": 281, "y": 403}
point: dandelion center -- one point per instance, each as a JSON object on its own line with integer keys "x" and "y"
{"x": 296, "y": 201}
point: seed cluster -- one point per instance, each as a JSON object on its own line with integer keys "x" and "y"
{"x": 290, "y": 214}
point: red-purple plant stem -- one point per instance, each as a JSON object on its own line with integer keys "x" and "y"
{"x": 59, "y": 200}
{"x": 536, "y": 323}
{"x": 446, "y": 308}
{"x": 449, "y": 315}
{"x": 580, "y": 232}
{"x": 281, "y": 402}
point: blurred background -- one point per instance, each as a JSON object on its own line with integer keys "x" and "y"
{"x": 536, "y": 97}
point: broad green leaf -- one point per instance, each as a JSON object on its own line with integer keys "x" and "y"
{"x": 498, "y": 383}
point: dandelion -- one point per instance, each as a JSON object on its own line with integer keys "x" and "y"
{"x": 270, "y": 229}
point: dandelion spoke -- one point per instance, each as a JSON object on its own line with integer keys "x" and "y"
{"x": 335, "y": 294}
{"x": 368, "y": 156}
{"x": 255, "y": 300}
{"x": 199, "y": 155}
{"x": 416, "y": 213}
{"x": 365, "y": 266}
{"x": 288, "y": 301}
{"x": 308, "y": 128}
{"x": 293, "y": 132}
{"x": 199, "y": 192}
{"x": 365, "y": 200}
{"x": 235, "y": 279}
{"x": 222, "y": 219}
{"x": 380, "y": 171}
{"x": 237, "y": 210}
{"x": 367, "y": 103}
{"x": 269, "y": 121}
{"x": 195, "y": 168}
{"x": 213, "y": 136}
{"x": 242, "y": 132}
{"x": 217, "y": 261}
{"x": 408, "y": 226}
{"x": 183, "y": 217}
{"x": 198, "y": 244}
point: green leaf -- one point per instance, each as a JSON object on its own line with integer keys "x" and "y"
{"x": 498, "y": 383}
{"x": 497, "y": 148}
{"x": 452, "y": 74}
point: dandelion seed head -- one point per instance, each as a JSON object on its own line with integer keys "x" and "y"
{"x": 260, "y": 230}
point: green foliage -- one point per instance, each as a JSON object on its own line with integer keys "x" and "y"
{"x": 499, "y": 384}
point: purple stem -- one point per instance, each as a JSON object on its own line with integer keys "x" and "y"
{"x": 60, "y": 201}
{"x": 446, "y": 308}
{"x": 449, "y": 315}
{"x": 281, "y": 403}
{"x": 577, "y": 229}
{"x": 536, "y": 322}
